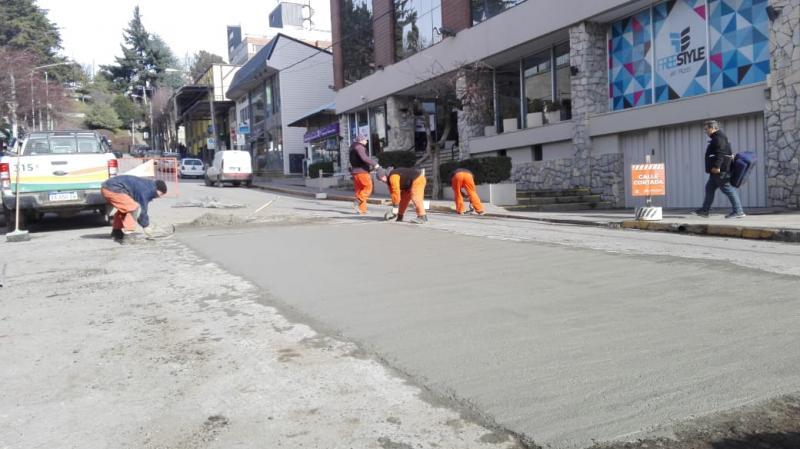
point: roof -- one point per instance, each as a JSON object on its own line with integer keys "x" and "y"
{"x": 253, "y": 71}
{"x": 329, "y": 108}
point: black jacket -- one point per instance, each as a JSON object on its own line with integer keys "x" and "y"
{"x": 718, "y": 153}
{"x": 360, "y": 162}
{"x": 407, "y": 177}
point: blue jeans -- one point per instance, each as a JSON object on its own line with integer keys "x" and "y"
{"x": 723, "y": 183}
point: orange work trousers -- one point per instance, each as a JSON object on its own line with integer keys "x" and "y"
{"x": 466, "y": 181}
{"x": 363, "y": 189}
{"x": 124, "y": 205}
{"x": 416, "y": 194}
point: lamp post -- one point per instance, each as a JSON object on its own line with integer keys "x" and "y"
{"x": 47, "y": 95}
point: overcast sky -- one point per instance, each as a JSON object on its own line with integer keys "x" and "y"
{"x": 91, "y": 30}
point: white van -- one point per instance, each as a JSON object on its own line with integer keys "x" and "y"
{"x": 233, "y": 166}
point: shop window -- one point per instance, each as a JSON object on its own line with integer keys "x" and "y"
{"x": 537, "y": 152}
{"x": 416, "y": 25}
{"x": 377, "y": 129}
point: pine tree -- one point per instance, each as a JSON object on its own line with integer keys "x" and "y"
{"x": 24, "y": 26}
{"x": 201, "y": 61}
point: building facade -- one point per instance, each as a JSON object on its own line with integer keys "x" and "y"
{"x": 280, "y": 84}
{"x": 575, "y": 92}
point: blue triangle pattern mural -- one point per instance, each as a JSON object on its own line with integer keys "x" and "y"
{"x": 630, "y": 70}
{"x": 738, "y": 29}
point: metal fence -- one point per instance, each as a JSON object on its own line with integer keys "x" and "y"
{"x": 163, "y": 168}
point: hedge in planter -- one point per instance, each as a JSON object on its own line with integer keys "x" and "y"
{"x": 487, "y": 170}
{"x": 314, "y": 169}
{"x": 397, "y": 159}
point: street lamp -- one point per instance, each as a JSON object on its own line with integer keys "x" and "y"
{"x": 47, "y": 95}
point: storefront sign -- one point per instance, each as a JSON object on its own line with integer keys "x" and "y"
{"x": 244, "y": 129}
{"x": 681, "y": 49}
{"x": 321, "y": 133}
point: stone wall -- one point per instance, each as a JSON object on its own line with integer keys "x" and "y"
{"x": 344, "y": 144}
{"x": 474, "y": 90}
{"x": 400, "y": 120}
{"x": 782, "y": 111}
{"x": 606, "y": 173}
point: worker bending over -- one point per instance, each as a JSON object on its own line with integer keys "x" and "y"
{"x": 406, "y": 184}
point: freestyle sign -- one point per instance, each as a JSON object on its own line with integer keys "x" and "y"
{"x": 648, "y": 180}
{"x": 683, "y": 55}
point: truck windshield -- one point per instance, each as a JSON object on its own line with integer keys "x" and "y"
{"x": 62, "y": 144}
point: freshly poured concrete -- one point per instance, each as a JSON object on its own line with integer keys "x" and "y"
{"x": 566, "y": 346}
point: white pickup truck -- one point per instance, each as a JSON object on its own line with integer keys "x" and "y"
{"x": 60, "y": 172}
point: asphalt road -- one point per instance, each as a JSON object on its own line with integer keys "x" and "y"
{"x": 564, "y": 335}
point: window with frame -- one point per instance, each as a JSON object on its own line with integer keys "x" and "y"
{"x": 357, "y": 39}
{"x": 486, "y": 9}
{"x": 417, "y": 24}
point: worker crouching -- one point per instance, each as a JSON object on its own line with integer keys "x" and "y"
{"x": 460, "y": 179}
{"x": 405, "y": 185}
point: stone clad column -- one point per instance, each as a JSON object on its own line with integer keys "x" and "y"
{"x": 344, "y": 144}
{"x": 781, "y": 110}
{"x": 587, "y": 42}
{"x": 400, "y": 120}
{"x": 474, "y": 91}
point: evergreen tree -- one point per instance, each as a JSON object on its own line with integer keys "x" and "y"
{"x": 144, "y": 59}
{"x": 25, "y": 26}
{"x": 201, "y": 61}
{"x": 102, "y": 116}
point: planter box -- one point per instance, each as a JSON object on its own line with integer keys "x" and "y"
{"x": 509, "y": 125}
{"x": 489, "y": 131}
{"x": 504, "y": 194}
{"x": 554, "y": 117}
{"x": 534, "y": 119}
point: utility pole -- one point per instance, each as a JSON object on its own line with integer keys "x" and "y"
{"x": 14, "y": 124}
{"x": 33, "y": 107}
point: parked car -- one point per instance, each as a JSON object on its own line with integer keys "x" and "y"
{"x": 191, "y": 168}
{"x": 233, "y": 166}
{"x": 60, "y": 172}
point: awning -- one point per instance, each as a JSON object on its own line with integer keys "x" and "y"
{"x": 326, "y": 109}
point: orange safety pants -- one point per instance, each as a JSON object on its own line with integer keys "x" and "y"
{"x": 415, "y": 194}
{"x": 466, "y": 181}
{"x": 363, "y": 189}
{"x": 124, "y": 205}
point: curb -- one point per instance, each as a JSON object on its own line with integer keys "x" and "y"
{"x": 772, "y": 234}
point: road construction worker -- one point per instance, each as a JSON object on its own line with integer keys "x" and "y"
{"x": 463, "y": 179}
{"x": 360, "y": 166}
{"x": 130, "y": 196}
{"x": 406, "y": 184}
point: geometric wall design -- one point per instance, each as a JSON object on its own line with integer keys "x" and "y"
{"x": 680, "y": 43}
{"x": 630, "y": 56}
{"x": 739, "y": 37}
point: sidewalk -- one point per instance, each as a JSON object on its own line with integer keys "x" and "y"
{"x": 761, "y": 224}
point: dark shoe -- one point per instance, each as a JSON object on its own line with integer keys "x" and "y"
{"x": 117, "y": 235}
{"x": 736, "y": 215}
{"x": 699, "y": 213}
{"x": 399, "y": 218}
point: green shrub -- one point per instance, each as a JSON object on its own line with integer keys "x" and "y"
{"x": 487, "y": 170}
{"x": 397, "y": 159}
{"x": 314, "y": 169}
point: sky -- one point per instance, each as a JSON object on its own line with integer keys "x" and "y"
{"x": 91, "y": 30}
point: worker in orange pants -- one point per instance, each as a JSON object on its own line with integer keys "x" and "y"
{"x": 460, "y": 179}
{"x": 360, "y": 166}
{"x": 130, "y": 196}
{"x": 405, "y": 185}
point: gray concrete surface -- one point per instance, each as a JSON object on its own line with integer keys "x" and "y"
{"x": 601, "y": 336}
{"x": 148, "y": 346}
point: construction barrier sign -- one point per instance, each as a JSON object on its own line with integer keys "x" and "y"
{"x": 648, "y": 180}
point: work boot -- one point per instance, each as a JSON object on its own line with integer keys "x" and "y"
{"x": 117, "y": 235}
{"x": 399, "y": 217}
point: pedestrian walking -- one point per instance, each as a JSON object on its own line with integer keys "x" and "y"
{"x": 130, "y": 196}
{"x": 718, "y": 166}
{"x": 360, "y": 166}
{"x": 405, "y": 185}
{"x": 463, "y": 179}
